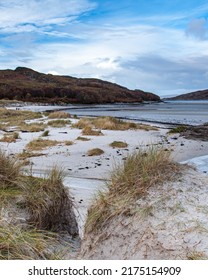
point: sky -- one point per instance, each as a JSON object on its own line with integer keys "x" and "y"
{"x": 160, "y": 46}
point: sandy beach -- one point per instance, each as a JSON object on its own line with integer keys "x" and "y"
{"x": 84, "y": 174}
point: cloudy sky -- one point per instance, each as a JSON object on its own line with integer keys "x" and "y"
{"x": 155, "y": 45}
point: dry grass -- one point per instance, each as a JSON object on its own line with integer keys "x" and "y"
{"x": 14, "y": 117}
{"x": 40, "y": 144}
{"x": 129, "y": 182}
{"x": 95, "y": 152}
{"x": 32, "y": 127}
{"x": 49, "y": 203}
{"x": 110, "y": 123}
{"x": 59, "y": 115}
{"x": 10, "y": 174}
{"x": 89, "y": 131}
{"x": 25, "y": 154}
{"x": 10, "y": 137}
{"x": 118, "y": 144}
{"x": 59, "y": 123}
{"x": 178, "y": 129}
{"x": 49, "y": 207}
{"x": 83, "y": 138}
{"x": 68, "y": 143}
{"x": 17, "y": 243}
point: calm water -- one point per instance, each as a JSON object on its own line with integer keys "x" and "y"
{"x": 175, "y": 112}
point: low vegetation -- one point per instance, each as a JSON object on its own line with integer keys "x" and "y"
{"x": 81, "y": 138}
{"x": 45, "y": 133}
{"x": 10, "y": 137}
{"x": 25, "y": 154}
{"x": 13, "y": 117}
{"x": 129, "y": 182}
{"x": 40, "y": 144}
{"x": 68, "y": 143}
{"x": 178, "y": 129}
{"x": 32, "y": 127}
{"x": 110, "y": 123}
{"x": 118, "y": 144}
{"x": 59, "y": 123}
{"x": 95, "y": 152}
{"x": 88, "y": 130}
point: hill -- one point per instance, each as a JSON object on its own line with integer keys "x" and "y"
{"x": 31, "y": 86}
{"x": 196, "y": 95}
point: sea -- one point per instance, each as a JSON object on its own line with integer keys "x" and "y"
{"x": 167, "y": 112}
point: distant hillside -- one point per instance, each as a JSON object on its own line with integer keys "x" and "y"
{"x": 196, "y": 95}
{"x": 28, "y": 85}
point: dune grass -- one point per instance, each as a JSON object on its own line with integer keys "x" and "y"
{"x": 40, "y": 144}
{"x": 59, "y": 123}
{"x": 59, "y": 115}
{"x": 95, "y": 152}
{"x": 81, "y": 138}
{"x": 130, "y": 181}
{"x": 110, "y": 123}
{"x": 26, "y": 154}
{"x": 10, "y": 137}
{"x": 118, "y": 144}
{"x": 178, "y": 129}
{"x": 88, "y": 130}
{"x": 45, "y": 133}
{"x": 32, "y": 127}
{"x": 13, "y": 117}
{"x": 48, "y": 204}
{"x": 68, "y": 143}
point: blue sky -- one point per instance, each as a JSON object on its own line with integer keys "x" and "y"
{"x": 155, "y": 45}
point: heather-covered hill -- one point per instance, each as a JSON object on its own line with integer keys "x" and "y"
{"x": 196, "y": 95}
{"x": 28, "y": 85}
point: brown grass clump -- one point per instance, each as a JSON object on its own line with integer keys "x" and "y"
{"x": 118, "y": 144}
{"x": 83, "y": 138}
{"x": 95, "y": 152}
{"x": 68, "y": 143}
{"x": 32, "y": 127}
{"x": 10, "y": 137}
{"x": 110, "y": 123}
{"x": 59, "y": 115}
{"x": 129, "y": 182}
{"x": 40, "y": 144}
{"x": 59, "y": 123}
{"x": 10, "y": 174}
{"x": 89, "y": 131}
{"x": 25, "y": 154}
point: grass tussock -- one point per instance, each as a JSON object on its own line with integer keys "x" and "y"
{"x": 88, "y": 130}
{"x": 40, "y": 144}
{"x": 110, "y": 123}
{"x": 95, "y": 152}
{"x": 49, "y": 203}
{"x": 47, "y": 207}
{"x": 45, "y": 133}
{"x": 10, "y": 174}
{"x": 32, "y": 127}
{"x": 178, "y": 129}
{"x": 59, "y": 115}
{"x": 10, "y": 137}
{"x": 59, "y": 123}
{"x": 118, "y": 144}
{"x": 81, "y": 138}
{"x": 129, "y": 182}
{"x": 13, "y": 117}
{"x": 68, "y": 143}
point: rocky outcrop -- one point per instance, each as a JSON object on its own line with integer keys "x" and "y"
{"x": 199, "y": 132}
{"x": 31, "y": 86}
